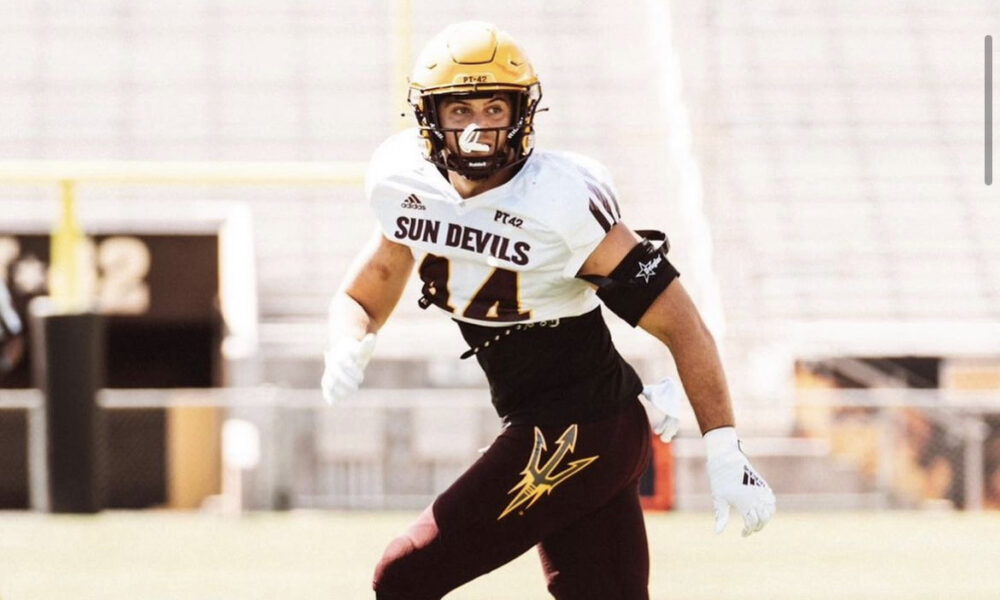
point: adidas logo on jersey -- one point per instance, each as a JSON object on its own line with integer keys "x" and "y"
{"x": 413, "y": 202}
{"x": 751, "y": 478}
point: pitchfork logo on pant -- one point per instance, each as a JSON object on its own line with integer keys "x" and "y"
{"x": 540, "y": 480}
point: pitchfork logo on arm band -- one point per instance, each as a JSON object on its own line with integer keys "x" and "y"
{"x": 539, "y": 479}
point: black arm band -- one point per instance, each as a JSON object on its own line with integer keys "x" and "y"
{"x": 635, "y": 283}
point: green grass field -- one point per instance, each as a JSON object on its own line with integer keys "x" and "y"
{"x": 330, "y": 555}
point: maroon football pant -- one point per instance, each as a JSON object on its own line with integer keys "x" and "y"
{"x": 571, "y": 489}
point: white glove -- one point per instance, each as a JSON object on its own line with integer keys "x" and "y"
{"x": 735, "y": 482}
{"x": 662, "y": 401}
{"x": 345, "y": 366}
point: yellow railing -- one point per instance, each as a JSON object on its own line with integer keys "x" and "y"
{"x": 180, "y": 173}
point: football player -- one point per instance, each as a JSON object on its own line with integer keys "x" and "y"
{"x": 520, "y": 248}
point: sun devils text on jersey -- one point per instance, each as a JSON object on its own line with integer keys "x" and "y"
{"x": 503, "y": 264}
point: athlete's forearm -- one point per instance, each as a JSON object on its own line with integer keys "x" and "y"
{"x": 347, "y": 318}
{"x": 371, "y": 288}
{"x": 674, "y": 320}
{"x": 704, "y": 380}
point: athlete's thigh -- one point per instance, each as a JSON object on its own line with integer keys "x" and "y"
{"x": 534, "y": 480}
{"x": 479, "y": 523}
{"x": 603, "y": 556}
{"x": 531, "y": 482}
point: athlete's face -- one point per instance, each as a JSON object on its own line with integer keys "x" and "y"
{"x": 459, "y": 112}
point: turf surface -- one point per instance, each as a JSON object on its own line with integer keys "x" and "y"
{"x": 156, "y": 555}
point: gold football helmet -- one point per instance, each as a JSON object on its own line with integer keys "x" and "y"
{"x": 474, "y": 59}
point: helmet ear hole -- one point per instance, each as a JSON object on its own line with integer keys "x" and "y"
{"x": 428, "y": 149}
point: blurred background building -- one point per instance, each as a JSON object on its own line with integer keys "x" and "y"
{"x": 817, "y": 166}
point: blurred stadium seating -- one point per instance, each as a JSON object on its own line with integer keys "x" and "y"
{"x": 816, "y": 165}
{"x": 842, "y": 149}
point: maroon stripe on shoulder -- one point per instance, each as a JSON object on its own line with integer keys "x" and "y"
{"x": 604, "y": 201}
{"x": 599, "y": 216}
{"x": 614, "y": 201}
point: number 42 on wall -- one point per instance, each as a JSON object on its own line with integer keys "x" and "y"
{"x": 114, "y": 269}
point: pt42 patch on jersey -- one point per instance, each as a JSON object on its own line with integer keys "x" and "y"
{"x": 539, "y": 480}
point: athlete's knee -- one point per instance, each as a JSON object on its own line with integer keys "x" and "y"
{"x": 398, "y": 575}
{"x": 392, "y": 561}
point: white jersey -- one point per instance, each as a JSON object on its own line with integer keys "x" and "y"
{"x": 510, "y": 254}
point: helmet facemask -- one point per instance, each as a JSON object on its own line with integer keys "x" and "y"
{"x": 461, "y": 150}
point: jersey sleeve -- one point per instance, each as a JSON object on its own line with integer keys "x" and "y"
{"x": 384, "y": 187}
{"x": 590, "y": 211}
